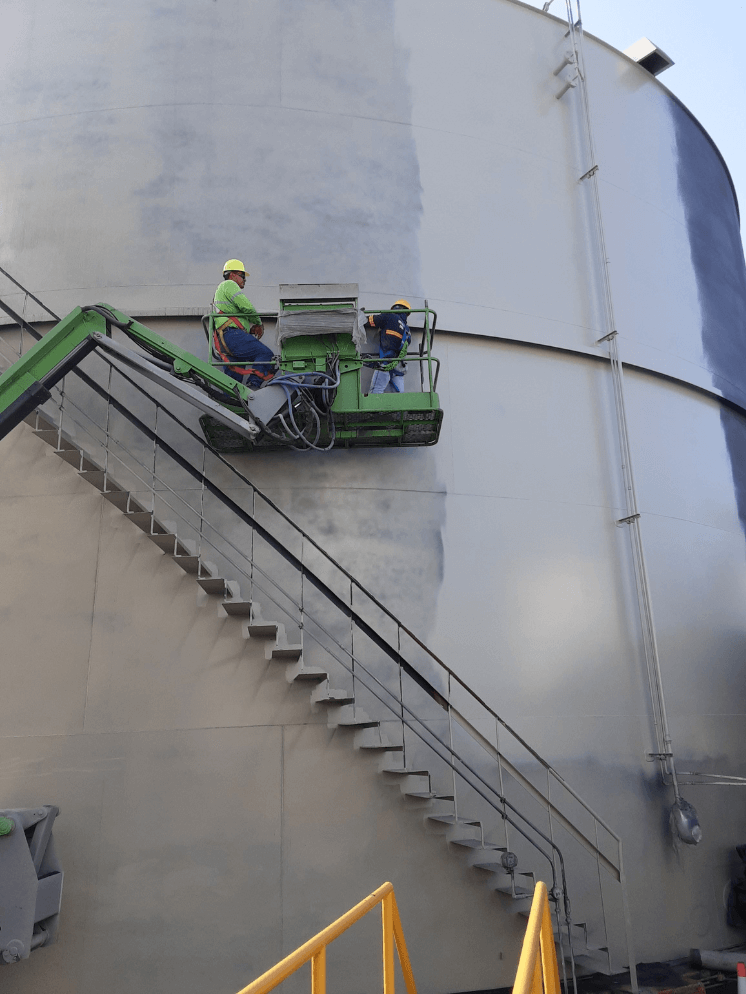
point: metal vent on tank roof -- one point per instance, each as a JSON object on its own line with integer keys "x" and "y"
{"x": 647, "y": 54}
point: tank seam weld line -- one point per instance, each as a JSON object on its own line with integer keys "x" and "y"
{"x": 166, "y": 731}
{"x": 293, "y": 109}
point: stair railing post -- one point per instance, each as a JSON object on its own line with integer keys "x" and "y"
{"x": 556, "y": 896}
{"x": 401, "y": 697}
{"x": 452, "y": 760}
{"x": 155, "y": 459}
{"x": 318, "y": 972}
{"x": 107, "y": 432}
{"x": 601, "y": 892}
{"x": 251, "y": 549}
{"x": 302, "y": 580}
{"x": 387, "y": 923}
{"x": 62, "y": 412}
{"x": 23, "y": 315}
{"x": 352, "y": 656}
{"x": 502, "y": 786}
{"x": 202, "y": 505}
{"x": 631, "y": 958}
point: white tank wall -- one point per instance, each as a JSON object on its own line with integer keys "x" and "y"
{"x": 418, "y": 149}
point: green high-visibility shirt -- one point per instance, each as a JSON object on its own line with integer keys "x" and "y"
{"x": 229, "y": 297}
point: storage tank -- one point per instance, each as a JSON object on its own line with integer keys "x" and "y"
{"x": 424, "y": 151}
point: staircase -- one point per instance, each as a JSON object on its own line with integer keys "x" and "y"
{"x": 495, "y": 801}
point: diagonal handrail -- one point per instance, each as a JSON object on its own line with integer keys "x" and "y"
{"x": 436, "y": 696}
{"x": 315, "y": 949}
{"x": 443, "y": 749}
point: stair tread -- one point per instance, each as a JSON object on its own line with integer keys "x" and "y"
{"x": 451, "y": 820}
{"x": 311, "y": 673}
{"x": 263, "y": 629}
{"x": 213, "y": 585}
{"x": 428, "y": 795}
{"x": 335, "y": 700}
{"x": 164, "y": 541}
{"x": 358, "y": 723}
{"x": 286, "y": 651}
{"x": 191, "y": 564}
{"x": 518, "y": 892}
{"x": 237, "y": 608}
{"x": 382, "y": 748}
{"x": 96, "y": 477}
{"x": 407, "y": 773}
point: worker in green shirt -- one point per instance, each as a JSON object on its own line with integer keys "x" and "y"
{"x": 236, "y": 337}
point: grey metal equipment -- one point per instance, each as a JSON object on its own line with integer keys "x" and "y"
{"x": 30, "y": 882}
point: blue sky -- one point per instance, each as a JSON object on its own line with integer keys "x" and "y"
{"x": 707, "y": 42}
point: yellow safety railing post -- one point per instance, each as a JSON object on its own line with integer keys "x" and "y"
{"x": 537, "y": 971}
{"x": 315, "y": 949}
{"x": 387, "y": 923}
{"x": 401, "y": 948}
{"x": 550, "y": 968}
{"x": 318, "y": 972}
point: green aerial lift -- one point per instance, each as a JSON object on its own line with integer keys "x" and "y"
{"x": 314, "y": 400}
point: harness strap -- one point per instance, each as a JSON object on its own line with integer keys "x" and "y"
{"x": 225, "y": 354}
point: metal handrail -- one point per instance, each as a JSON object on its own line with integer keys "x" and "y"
{"x": 537, "y": 968}
{"x": 447, "y": 753}
{"x": 315, "y": 949}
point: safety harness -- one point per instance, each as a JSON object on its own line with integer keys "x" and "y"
{"x": 389, "y": 366}
{"x": 221, "y": 349}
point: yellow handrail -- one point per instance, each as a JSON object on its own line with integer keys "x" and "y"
{"x": 537, "y": 968}
{"x": 315, "y": 949}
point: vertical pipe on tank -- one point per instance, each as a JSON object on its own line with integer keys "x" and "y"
{"x": 660, "y": 719}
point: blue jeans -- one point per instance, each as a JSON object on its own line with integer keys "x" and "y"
{"x": 386, "y": 378}
{"x": 247, "y": 349}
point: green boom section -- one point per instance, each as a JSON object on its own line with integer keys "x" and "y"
{"x": 27, "y": 382}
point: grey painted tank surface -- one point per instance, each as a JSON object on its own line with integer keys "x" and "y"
{"x": 418, "y": 149}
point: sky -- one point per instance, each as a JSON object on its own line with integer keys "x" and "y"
{"x": 707, "y": 42}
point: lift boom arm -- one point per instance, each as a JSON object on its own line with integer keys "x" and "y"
{"x": 27, "y": 383}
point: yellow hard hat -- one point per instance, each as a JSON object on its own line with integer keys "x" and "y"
{"x": 235, "y": 266}
{"x": 402, "y": 303}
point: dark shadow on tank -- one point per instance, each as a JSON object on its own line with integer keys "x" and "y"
{"x": 712, "y": 223}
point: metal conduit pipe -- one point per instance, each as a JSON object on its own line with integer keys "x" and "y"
{"x": 683, "y": 815}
